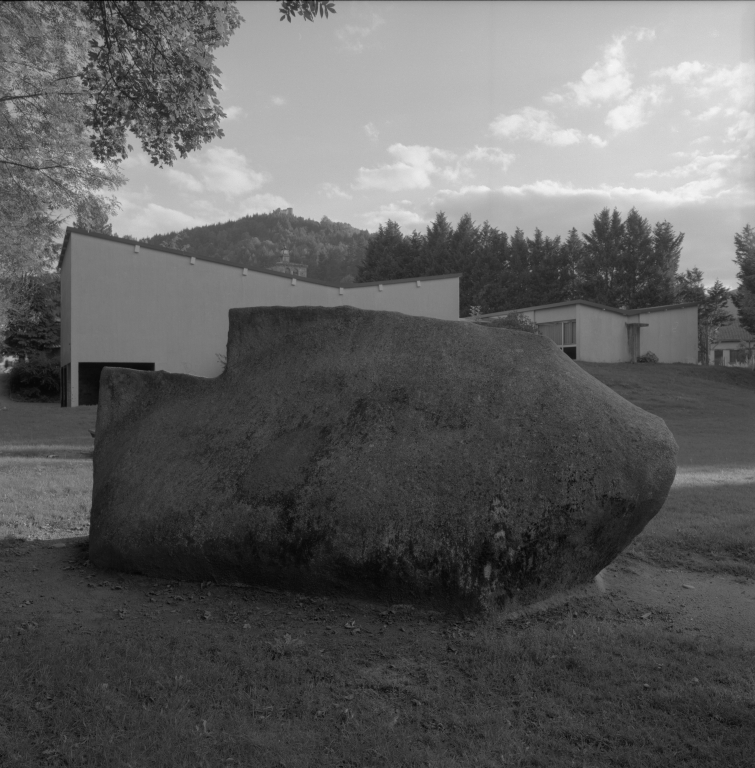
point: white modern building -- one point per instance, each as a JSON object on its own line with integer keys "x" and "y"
{"x": 594, "y": 333}
{"x": 136, "y": 306}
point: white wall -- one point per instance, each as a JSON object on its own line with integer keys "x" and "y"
{"x": 601, "y": 335}
{"x": 153, "y": 306}
{"x": 671, "y": 334}
{"x": 555, "y": 314}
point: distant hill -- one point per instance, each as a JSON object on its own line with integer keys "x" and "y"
{"x": 331, "y": 250}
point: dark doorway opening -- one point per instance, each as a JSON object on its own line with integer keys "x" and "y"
{"x": 89, "y": 378}
{"x": 65, "y": 385}
{"x": 570, "y": 352}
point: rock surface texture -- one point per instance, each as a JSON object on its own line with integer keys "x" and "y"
{"x": 377, "y": 452}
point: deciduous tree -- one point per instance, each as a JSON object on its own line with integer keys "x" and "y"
{"x": 32, "y": 325}
{"x": 76, "y": 78}
{"x": 46, "y": 163}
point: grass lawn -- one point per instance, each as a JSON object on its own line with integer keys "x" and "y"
{"x": 708, "y": 521}
{"x": 104, "y": 669}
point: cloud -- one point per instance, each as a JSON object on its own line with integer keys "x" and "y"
{"x": 213, "y": 169}
{"x": 540, "y": 125}
{"x": 401, "y": 214}
{"x": 183, "y": 180}
{"x": 231, "y": 113}
{"x": 353, "y": 37}
{"x": 682, "y": 73}
{"x": 697, "y": 192}
{"x": 634, "y": 112}
{"x": 732, "y": 89}
{"x": 643, "y": 33}
{"x": 490, "y": 155}
{"x": 214, "y": 184}
{"x": 371, "y": 130}
{"x": 418, "y": 167}
{"x": 412, "y": 170}
{"x": 260, "y": 203}
{"x": 709, "y": 113}
{"x": 699, "y": 164}
{"x": 606, "y": 79}
{"x": 332, "y": 191}
{"x": 735, "y": 84}
{"x": 279, "y": 101}
{"x": 140, "y": 220}
{"x": 225, "y": 170}
{"x": 143, "y": 219}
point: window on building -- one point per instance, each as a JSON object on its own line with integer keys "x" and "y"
{"x": 563, "y": 334}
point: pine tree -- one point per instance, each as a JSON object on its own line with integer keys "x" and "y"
{"x": 386, "y": 255}
{"x": 641, "y": 277}
{"x": 491, "y": 271}
{"x": 744, "y": 296}
{"x": 712, "y": 316}
{"x": 464, "y": 252}
{"x": 517, "y": 291}
{"x": 569, "y": 258}
{"x": 689, "y": 287}
{"x": 545, "y": 269}
{"x": 599, "y": 265}
{"x": 437, "y": 250}
{"x": 668, "y": 250}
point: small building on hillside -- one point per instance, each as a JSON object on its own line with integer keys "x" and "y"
{"x": 288, "y": 267}
{"x": 733, "y": 345}
{"x": 136, "y": 306}
{"x": 594, "y": 333}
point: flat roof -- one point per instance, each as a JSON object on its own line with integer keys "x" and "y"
{"x": 237, "y": 264}
{"x": 624, "y": 312}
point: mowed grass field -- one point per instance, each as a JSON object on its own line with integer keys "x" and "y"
{"x": 102, "y": 669}
{"x": 708, "y": 522}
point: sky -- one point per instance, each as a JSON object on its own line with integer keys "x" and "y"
{"x": 523, "y": 114}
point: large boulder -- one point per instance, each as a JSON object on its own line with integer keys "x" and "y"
{"x": 375, "y": 451}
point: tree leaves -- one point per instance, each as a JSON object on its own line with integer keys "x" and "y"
{"x": 152, "y": 72}
{"x": 46, "y": 166}
{"x": 33, "y": 314}
{"x": 307, "y": 9}
{"x": 744, "y": 296}
{"x": 620, "y": 263}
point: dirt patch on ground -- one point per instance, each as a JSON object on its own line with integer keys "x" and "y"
{"x": 711, "y": 605}
{"x": 51, "y": 586}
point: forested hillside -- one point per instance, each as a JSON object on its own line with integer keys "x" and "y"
{"x": 331, "y": 250}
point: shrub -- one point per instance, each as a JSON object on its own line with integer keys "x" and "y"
{"x": 648, "y": 357}
{"x": 35, "y": 379}
{"x": 513, "y": 322}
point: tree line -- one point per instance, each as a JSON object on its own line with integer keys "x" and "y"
{"x": 621, "y": 262}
